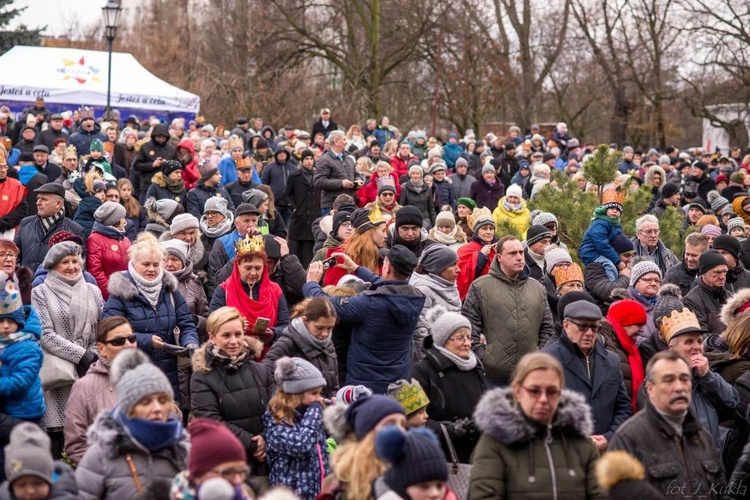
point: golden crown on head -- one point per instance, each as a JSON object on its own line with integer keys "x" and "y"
{"x": 236, "y": 142}
{"x": 250, "y": 244}
{"x": 478, "y": 214}
{"x": 376, "y": 216}
{"x": 613, "y": 196}
{"x": 3, "y": 161}
{"x": 71, "y": 150}
{"x": 566, "y": 275}
{"x": 679, "y": 321}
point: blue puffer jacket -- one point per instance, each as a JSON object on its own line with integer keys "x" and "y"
{"x": 295, "y": 452}
{"x": 21, "y": 393}
{"x": 597, "y": 240}
{"x": 451, "y": 153}
{"x": 86, "y": 208}
{"x": 384, "y": 319}
{"x": 170, "y": 312}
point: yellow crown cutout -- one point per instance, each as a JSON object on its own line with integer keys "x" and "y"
{"x": 613, "y": 196}
{"x": 376, "y": 216}
{"x": 412, "y": 397}
{"x": 3, "y": 161}
{"x": 477, "y": 215}
{"x": 566, "y": 275}
{"x": 235, "y": 142}
{"x": 71, "y": 150}
{"x": 250, "y": 244}
{"x": 678, "y": 321}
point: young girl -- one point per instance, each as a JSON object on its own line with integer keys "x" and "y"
{"x": 295, "y": 438}
{"x": 92, "y": 190}
{"x": 134, "y": 213}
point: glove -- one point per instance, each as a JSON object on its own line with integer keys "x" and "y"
{"x": 458, "y": 428}
{"x": 87, "y": 360}
{"x": 191, "y": 348}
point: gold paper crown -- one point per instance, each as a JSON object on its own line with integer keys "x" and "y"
{"x": 613, "y": 196}
{"x": 477, "y": 215}
{"x": 376, "y": 216}
{"x": 679, "y": 322}
{"x": 411, "y": 396}
{"x": 250, "y": 244}
{"x": 236, "y": 142}
{"x": 566, "y": 275}
{"x": 71, "y": 150}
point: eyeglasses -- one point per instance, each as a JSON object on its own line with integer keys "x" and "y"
{"x": 582, "y": 328}
{"x": 536, "y": 392}
{"x": 650, "y": 232}
{"x": 120, "y": 341}
{"x": 7, "y": 255}
{"x": 460, "y": 339}
{"x": 231, "y": 473}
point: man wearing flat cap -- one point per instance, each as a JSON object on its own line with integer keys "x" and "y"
{"x": 591, "y": 370}
{"x": 53, "y": 132}
{"x": 35, "y": 231}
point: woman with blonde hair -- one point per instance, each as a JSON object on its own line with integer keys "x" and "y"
{"x": 534, "y": 417}
{"x": 354, "y": 136}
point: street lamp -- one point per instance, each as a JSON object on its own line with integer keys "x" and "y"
{"x": 111, "y": 14}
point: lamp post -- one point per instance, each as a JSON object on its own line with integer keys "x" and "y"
{"x": 111, "y": 14}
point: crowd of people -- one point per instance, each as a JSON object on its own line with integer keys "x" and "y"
{"x": 196, "y": 311}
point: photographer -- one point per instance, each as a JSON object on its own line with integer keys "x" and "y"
{"x": 149, "y": 159}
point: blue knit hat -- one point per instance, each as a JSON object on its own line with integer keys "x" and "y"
{"x": 365, "y": 413}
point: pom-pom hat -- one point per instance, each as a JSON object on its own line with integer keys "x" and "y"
{"x": 297, "y": 375}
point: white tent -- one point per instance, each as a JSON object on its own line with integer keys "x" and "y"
{"x": 75, "y": 77}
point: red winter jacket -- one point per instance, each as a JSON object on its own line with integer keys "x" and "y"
{"x": 190, "y": 173}
{"x": 370, "y": 191}
{"x": 107, "y": 254}
{"x": 401, "y": 166}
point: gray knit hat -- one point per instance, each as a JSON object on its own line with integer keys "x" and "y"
{"x": 717, "y": 201}
{"x": 443, "y": 324}
{"x": 254, "y": 196}
{"x": 110, "y": 213}
{"x": 59, "y": 251}
{"x": 217, "y": 204}
{"x": 177, "y": 248}
{"x": 668, "y": 300}
{"x": 296, "y": 375}
{"x": 553, "y": 255}
{"x": 135, "y": 377}
{"x": 641, "y": 269}
{"x": 735, "y": 222}
{"x": 182, "y": 222}
{"x": 28, "y": 454}
{"x": 543, "y": 218}
{"x": 436, "y": 258}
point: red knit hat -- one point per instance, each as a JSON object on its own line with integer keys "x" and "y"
{"x": 212, "y": 444}
{"x": 627, "y": 312}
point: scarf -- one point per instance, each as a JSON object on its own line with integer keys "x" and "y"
{"x": 418, "y": 185}
{"x": 14, "y": 337}
{"x": 462, "y": 364}
{"x": 222, "y": 358}
{"x": 175, "y": 187}
{"x": 634, "y": 359}
{"x": 184, "y": 273}
{"x": 538, "y": 259}
{"x": 445, "y": 239}
{"x": 601, "y": 213}
{"x": 218, "y": 230}
{"x": 267, "y": 305}
{"x": 642, "y": 298}
{"x": 511, "y": 207}
{"x": 150, "y": 289}
{"x": 154, "y": 436}
{"x": 74, "y": 294}
{"x": 306, "y": 339}
{"x": 48, "y": 222}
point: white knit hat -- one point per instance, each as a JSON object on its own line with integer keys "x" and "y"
{"x": 444, "y": 324}
{"x": 514, "y": 190}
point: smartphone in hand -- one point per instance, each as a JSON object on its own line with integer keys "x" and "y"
{"x": 261, "y": 325}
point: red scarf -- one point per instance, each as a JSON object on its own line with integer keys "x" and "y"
{"x": 467, "y": 263}
{"x": 267, "y": 305}
{"x": 634, "y": 359}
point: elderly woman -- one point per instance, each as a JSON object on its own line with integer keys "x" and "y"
{"x": 534, "y": 417}
{"x": 418, "y": 193}
{"x": 95, "y": 392}
{"x": 645, "y": 281}
{"x": 9, "y": 265}
{"x": 147, "y": 296}
{"x": 453, "y": 379}
{"x": 186, "y": 228}
{"x": 230, "y": 386}
{"x": 447, "y": 232}
{"x": 136, "y": 449}
{"x": 217, "y": 221}
{"x": 249, "y": 289}
{"x": 69, "y": 309}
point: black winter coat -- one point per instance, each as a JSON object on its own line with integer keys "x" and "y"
{"x": 706, "y": 303}
{"x": 236, "y": 188}
{"x": 33, "y": 244}
{"x": 159, "y": 190}
{"x": 681, "y": 276}
{"x": 423, "y": 200}
{"x": 737, "y": 279}
{"x": 330, "y": 172}
{"x": 453, "y": 394}
{"x": 199, "y": 195}
{"x": 600, "y": 287}
{"x": 143, "y": 164}
{"x": 235, "y": 394}
{"x": 304, "y": 199}
{"x": 486, "y": 195}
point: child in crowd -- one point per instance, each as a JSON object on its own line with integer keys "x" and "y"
{"x": 596, "y": 245}
{"x": 412, "y": 397}
{"x": 295, "y": 437}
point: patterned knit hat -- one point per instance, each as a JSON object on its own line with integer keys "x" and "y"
{"x": 11, "y": 305}
{"x": 716, "y": 201}
{"x": 735, "y": 222}
{"x": 409, "y": 394}
{"x": 28, "y": 454}
{"x": 668, "y": 300}
{"x": 207, "y": 169}
{"x": 350, "y": 393}
{"x": 711, "y": 230}
{"x": 297, "y": 375}
{"x": 543, "y": 218}
{"x": 416, "y": 457}
{"x": 641, "y": 269}
{"x": 135, "y": 377}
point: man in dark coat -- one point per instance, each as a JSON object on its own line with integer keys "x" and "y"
{"x": 705, "y": 183}
{"x": 709, "y": 295}
{"x": 54, "y": 132}
{"x": 35, "y": 231}
{"x": 208, "y": 187}
{"x": 304, "y": 200}
{"x": 31, "y": 179}
{"x": 243, "y": 183}
{"x": 42, "y": 163}
{"x": 408, "y": 231}
{"x": 737, "y": 276}
{"x": 87, "y": 132}
{"x": 667, "y": 438}
{"x": 383, "y": 318}
{"x": 592, "y": 370}
{"x": 276, "y": 175}
{"x": 684, "y": 273}
{"x": 335, "y": 172}
{"x": 149, "y": 158}
{"x": 324, "y": 125}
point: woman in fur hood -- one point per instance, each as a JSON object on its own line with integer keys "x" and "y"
{"x": 535, "y": 440}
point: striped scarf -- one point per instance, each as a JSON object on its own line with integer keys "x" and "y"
{"x": 48, "y": 222}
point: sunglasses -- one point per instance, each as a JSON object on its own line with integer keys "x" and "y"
{"x": 120, "y": 341}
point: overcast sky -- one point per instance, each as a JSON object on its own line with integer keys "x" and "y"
{"x": 59, "y": 15}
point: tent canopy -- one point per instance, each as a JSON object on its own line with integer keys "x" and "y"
{"x": 75, "y": 77}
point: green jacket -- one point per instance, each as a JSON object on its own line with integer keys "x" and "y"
{"x": 513, "y": 315}
{"x": 518, "y": 458}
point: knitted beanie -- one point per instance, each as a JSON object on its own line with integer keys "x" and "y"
{"x": 668, "y": 300}
{"x": 350, "y": 393}
{"x": 410, "y": 395}
{"x": 166, "y": 208}
{"x": 182, "y": 222}
{"x": 409, "y": 215}
{"x": 135, "y": 377}
{"x": 254, "y": 196}
{"x": 212, "y": 444}
{"x": 11, "y": 303}
{"x": 622, "y": 244}
{"x": 339, "y": 218}
{"x": 717, "y": 201}
{"x": 543, "y": 218}
{"x": 176, "y": 247}
{"x": 58, "y": 252}
{"x": 217, "y": 204}
{"x": 728, "y": 244}
{"x": 627, "y": 312}
{"x": 536, "y": 234}
{"x": 461, "y": 162}
{"x": 711, "y": 230}
{"x": 416, "y": 457}
{"x": 444, "y": 323}
{"x": 446, "y": 218}
{"x": 110, "y": 213}
{"x": 28, "y": 454}
{"x": 641, "y": 269}
{"x": 710, "y": 259}
{"x": 365, "y": 413}
{"x": 386, "y": 188}
{"x": 207, "y": 169}
{"x": 514, "y": 190}
{"x": 670, "y": 189}
{"x": 735, "y": 222}
{"x": 436, "y": 258}
{"x": 553, "y": 255}
{"x": 488, "y": 168}
{"x": 170, "y": 166}
{"x": 297, "y": 375}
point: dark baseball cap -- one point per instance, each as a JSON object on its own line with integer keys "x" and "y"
{"x": 401, "y": 258}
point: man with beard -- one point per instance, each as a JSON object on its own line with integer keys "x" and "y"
{"x": 150, "y": 157}
{"x": 53, "y": 132}
{"x": 408, "y": 231}
{"x": 87, "y": 132}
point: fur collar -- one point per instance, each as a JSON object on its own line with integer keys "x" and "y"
{"x": 156, "y": 218}
{"x": 497, "y": 416}
{"x": 159, "y": 179}
{"x": 196, "y": 252}
{"x": 728, "y": 313}
{"x": 201, "y": 365}
{"x": 121, "y": 285}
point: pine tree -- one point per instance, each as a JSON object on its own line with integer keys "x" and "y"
{"x": 22, "y": 35}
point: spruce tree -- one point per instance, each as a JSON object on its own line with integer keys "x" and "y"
{"x": 22, "y": 35}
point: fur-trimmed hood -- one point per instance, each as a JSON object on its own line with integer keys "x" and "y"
{"x": 155, "y": 218}
{"x": 159, "y": 179}
{"x": 649, "y": 175}
{"x": 121, "y": 284}
{"x": 339, "y": 291}
{"x": 728, "y": 313}
{"x": 203, "y": 365}
{"x": 499, "y": 417}
{"x": 195, "y": 253}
